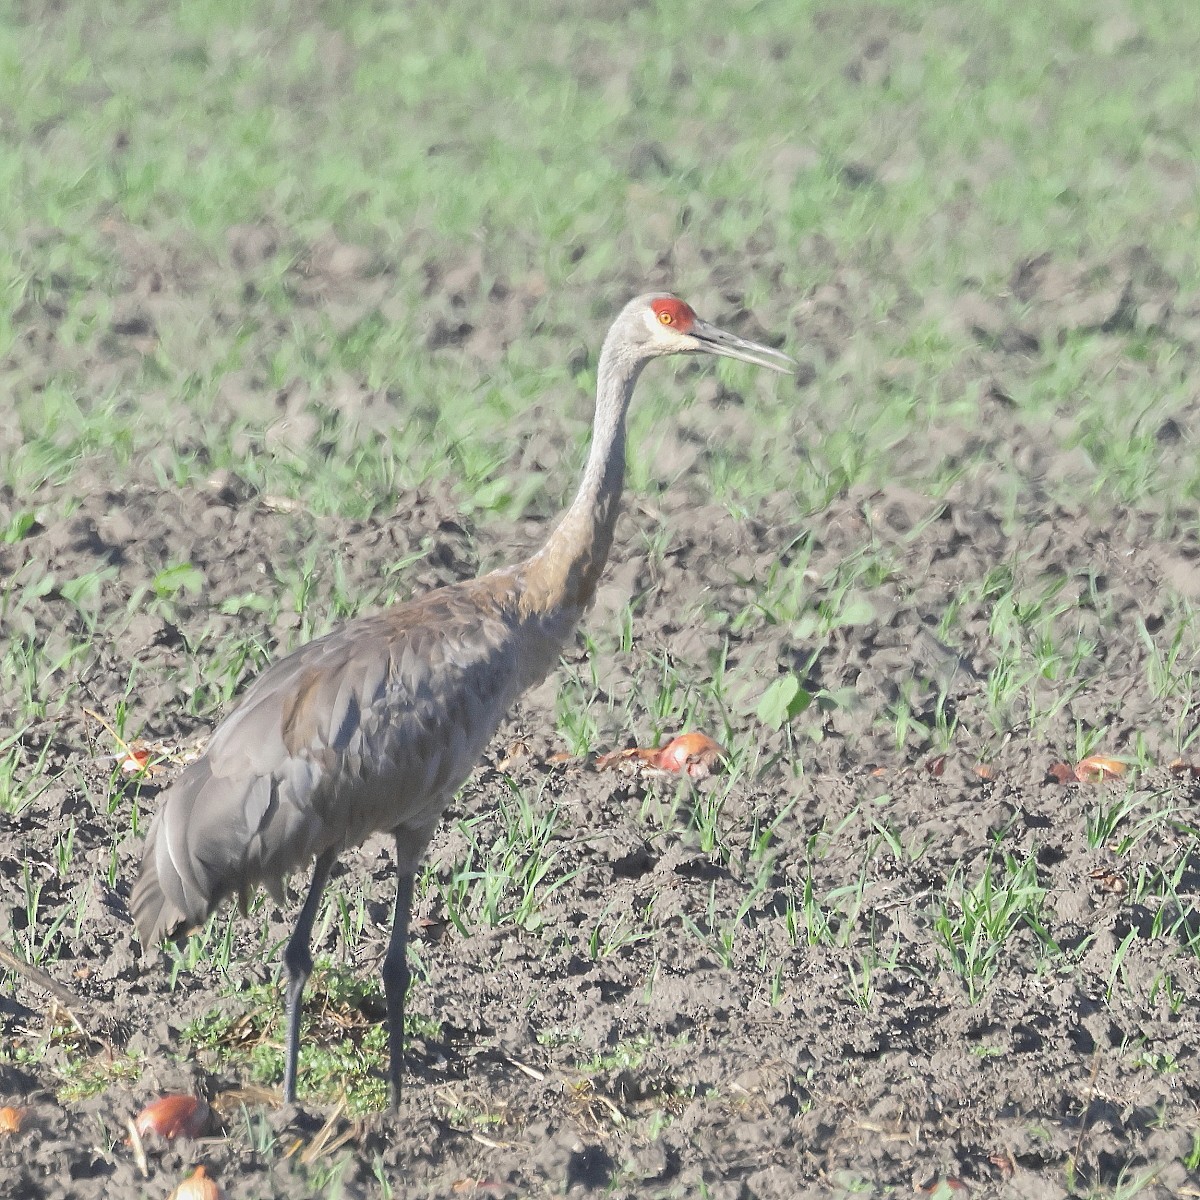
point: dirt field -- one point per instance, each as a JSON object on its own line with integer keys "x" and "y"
{"x": 912, "y": 1084}
{"x": 894, "y": 947}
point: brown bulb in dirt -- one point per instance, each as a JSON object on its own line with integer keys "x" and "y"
{"x": 1097, "y": 768}
{"x": 172, "y": 1117}
{"x": 199, "y": 1185}
{"x": 11, "y": 1119}
{"x": 695, "y": 753}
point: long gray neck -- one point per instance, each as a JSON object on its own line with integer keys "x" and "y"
{"x": 564, "y": 573}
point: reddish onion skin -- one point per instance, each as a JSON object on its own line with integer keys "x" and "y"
{"x": 173, "y": 1116}
{"x": 695, "y": 753}
{"x": 11, "y": 1119}
{"x": 1097, "y": 768}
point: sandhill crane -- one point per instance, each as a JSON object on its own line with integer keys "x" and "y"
{"x": 373, "y": 727}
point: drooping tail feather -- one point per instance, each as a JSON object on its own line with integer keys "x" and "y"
{"x": 154, "y": 915}
{"x": 200, "y": 848}
{"x": 168, "y": 899}
{"x": 218, "y": 832}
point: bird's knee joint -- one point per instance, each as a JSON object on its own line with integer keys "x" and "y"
{"x": 298, "y": 961}
{"x": 396, "y": 972}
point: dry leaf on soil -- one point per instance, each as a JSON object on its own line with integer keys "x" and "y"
{"x": 1109, "y": 881}
{"x": 516, "y": 754}
{"x": 1003, "y": 1163}
{"x": 141, "y": 757}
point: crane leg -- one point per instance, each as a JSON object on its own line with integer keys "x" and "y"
{"x": 297, "y": 962}
{"x": 395, "y": 979}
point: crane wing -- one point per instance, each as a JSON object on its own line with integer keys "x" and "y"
{"x": 371, "y": 727}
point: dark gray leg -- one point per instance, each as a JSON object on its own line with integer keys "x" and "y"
{"x": 297, "y": 962}
{"x": 395, "y": 978}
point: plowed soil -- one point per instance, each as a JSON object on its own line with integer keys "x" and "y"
{"x": 671, "y": 1023}
{"x": 768, "y": 1098}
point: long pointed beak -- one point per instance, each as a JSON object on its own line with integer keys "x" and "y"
{"x": 716, "y": 341}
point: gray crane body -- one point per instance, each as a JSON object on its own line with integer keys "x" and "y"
{"x": 381, "y": 719}
{"x": 373, "y": 727}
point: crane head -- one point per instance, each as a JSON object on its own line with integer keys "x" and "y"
{"x": 665, "y": 324}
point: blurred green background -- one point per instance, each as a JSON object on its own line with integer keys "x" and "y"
{"x": 209, "y": 205}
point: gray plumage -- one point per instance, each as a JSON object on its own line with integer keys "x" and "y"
{"x": 371, "y": 727}
{"x": 374, "y": 727}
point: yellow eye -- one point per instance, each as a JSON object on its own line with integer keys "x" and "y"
{"x": 666, "y": 318}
